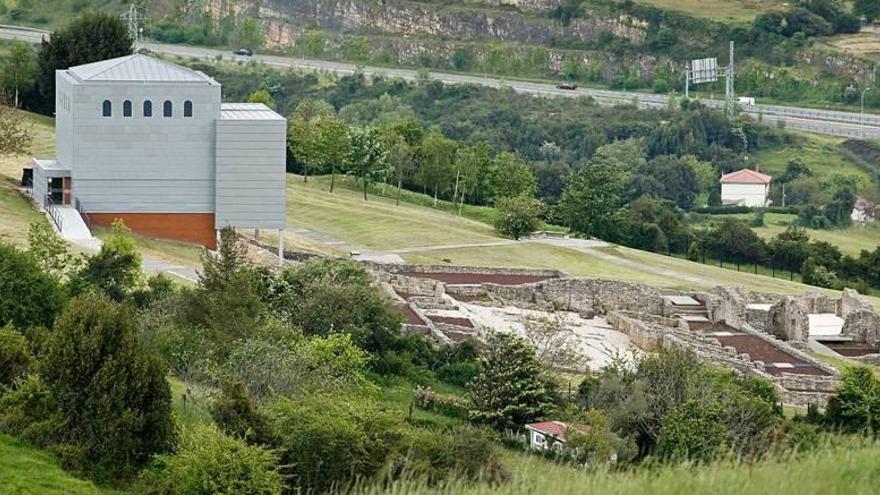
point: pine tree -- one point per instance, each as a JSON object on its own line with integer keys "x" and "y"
{"x": 510, "y": 390}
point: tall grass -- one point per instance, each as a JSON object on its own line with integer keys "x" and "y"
{"x": 831, "y": 470}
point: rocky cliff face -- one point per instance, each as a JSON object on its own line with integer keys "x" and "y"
{"x": 458, "y": 21}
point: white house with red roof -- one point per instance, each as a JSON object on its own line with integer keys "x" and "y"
{"x": 550, "y": 434}
{"x": 745, "y": 188}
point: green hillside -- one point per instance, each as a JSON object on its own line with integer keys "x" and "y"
{"x": 28, "y": 471}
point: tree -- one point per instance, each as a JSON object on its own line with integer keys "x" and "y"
{"x": 556, "y": 346}
{"x": 510, "y": 176}
{"x": 368, "y": 158}
{"x": 675, "y": 180}
{"x": 436, "y": 153}
{"x": 114, "y": 399}
{"x": 261, "y": 96}
{"x": 510, "y": 390}
{"x": 28, "y": 296}
{"x": 333, "y": 145}
{"x": 400, "y": 157}
{"x": 473, "y": 167}
{"x": 856, "y": 407}
{"x": 517, "y": 216}
{"x": 303, "y": 134}
{"x": 16, "y": 133}
{"x": 594, "y": 194}
{"x": 50, "y": 250}
{"x": 18, "y": 70}
{"x": 115, "y": 270}
{"x": 789, "y": 249}
{"x": 92, "y": 37}
{"x": 735, "y": 240}
{"x": 694, "y": 431}
{"x": 869, "y": 9}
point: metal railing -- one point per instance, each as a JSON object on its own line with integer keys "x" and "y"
{"x": 54, "y": 212}
{"x": 82, "y": 212}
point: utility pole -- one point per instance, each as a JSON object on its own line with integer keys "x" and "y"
{"x": 728, "y": 87}
{"x": 862, "y": 110}
{"x": 133, "y": 18}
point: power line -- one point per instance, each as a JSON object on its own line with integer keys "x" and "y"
{"x": 134, "y": 18}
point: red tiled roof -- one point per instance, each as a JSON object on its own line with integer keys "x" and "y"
{"x": 555, "y": 428}
{"x": 745, "y": 176}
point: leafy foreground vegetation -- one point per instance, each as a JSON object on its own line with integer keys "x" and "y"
{"x": 301, "y": 380}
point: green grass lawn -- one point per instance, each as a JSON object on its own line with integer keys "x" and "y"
{"x": 376, "y": 223}
{"x": 16, "y": 213}
{"x": 820, "y": 153}
{"x": 729, "y": 11}
{"x": 841, "y": 470}
{"x": 26, "y": 470}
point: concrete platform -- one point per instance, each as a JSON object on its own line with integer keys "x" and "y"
{"x": 825, "y": 324}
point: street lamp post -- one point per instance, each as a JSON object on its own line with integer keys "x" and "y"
{"x": 862, "y": 110}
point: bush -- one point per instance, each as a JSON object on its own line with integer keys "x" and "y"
{"x": 28, "y": 410}
{"x": 207, "y": 461}
{"x": 28, "y": 296}
{"x": 331, "y": 441}
{"x": 459, "y": 374}
{"x": 461, "y": 453}
{"x": 856, "y": 407}
{"x": 15, "y": 358}
{"x": 693, "y": 431}
{"x": 114, "y": 400}
{"x": 236, "y": 415}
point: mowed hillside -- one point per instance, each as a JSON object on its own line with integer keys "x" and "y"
{"x": 421, "y": 234}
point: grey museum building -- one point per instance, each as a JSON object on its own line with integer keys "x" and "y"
{"x": 149, "y": 142}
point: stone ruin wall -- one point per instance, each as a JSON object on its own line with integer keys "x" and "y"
{"x": 581, "y": 295}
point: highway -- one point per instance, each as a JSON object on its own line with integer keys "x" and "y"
{"x": 826, "y": 122}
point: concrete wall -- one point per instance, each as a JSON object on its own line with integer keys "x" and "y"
{"x": 753, "y": 195}
{"x": 64, "y": 115}
{"x": 250, "y": 178}
{"x": 41, "y": 186}
{"x": 145, "y": 164}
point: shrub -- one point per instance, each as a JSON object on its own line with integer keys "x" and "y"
{"x": 114, "y": 400}
{"x": 28, "y": 410}
{"x": 207, "y": 461}
{"x": 236, "y": 415}
{"x": 331, "y": 441}
{"x": 28, "y": 296}
{"x": 460, "y": 453}
{"x": 693, "y": 431}
{"x": 856, "y": 407}
{"x": 294, "y": 365}
{"x": 459, "y": 374}
{"x": 15, "y": 358}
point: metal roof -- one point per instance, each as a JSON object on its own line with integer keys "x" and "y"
{"x": 138, "y": 68}
{"x": 745, "y": 176}
{"x": 247, "y": 111}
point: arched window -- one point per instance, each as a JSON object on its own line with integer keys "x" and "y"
{"x": 126, "y": 108}
{"x": 166, "y": 109}
{"x": 148, "y": 108}
{"x": 187, "y": 108}
{"x": 107, "y": 108}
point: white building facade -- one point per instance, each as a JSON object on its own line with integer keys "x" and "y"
{"x": 745, "y": 188}
{"x": 150, "y": 142}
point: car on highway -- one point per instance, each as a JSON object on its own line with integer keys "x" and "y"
{"x": 247, "y": 52}
{"x": 567, "y": 85}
